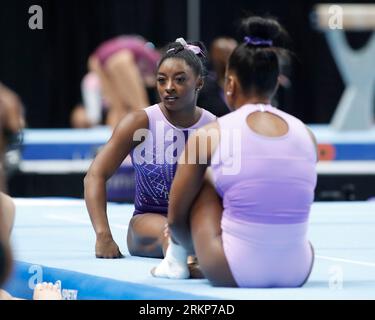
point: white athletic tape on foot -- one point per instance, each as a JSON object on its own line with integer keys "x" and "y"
{"x": 174, "y": 265}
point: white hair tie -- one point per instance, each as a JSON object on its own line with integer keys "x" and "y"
{"x": 195, "y": 49}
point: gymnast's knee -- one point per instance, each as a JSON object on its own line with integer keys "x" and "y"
{"x": 144, "y": 246}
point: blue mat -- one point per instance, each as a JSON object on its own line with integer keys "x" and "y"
{"x": 87, "y": 287}
{"x": 57, "y": 235}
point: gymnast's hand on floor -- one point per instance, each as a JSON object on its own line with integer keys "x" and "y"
{"x": 107, "y": 249}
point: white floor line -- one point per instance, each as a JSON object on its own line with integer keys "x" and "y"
{"x": 361, "y": 263}
{"x": 83, "y": 221}
{"x": 31, "y": 202}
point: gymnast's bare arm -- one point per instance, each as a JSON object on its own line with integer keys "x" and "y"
{"x": 188, "y": 180}
{"x": 102, "y": 168}
{"x": 313, "y": 138}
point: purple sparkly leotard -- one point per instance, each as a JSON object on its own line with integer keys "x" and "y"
{"x": 155, "y": 159}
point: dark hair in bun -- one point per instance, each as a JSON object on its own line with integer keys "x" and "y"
{"x": 255, "y": 61}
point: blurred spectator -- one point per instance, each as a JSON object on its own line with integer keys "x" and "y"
{"x": 11, "y": 123}
{"x": 212, "y": 95}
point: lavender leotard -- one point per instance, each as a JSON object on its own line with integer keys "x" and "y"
{"x": 155, "y": 160}
{"x": 267, "y": 203}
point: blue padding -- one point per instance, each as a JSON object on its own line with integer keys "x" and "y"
{"x": 73, "y": 144}
{"x": 53, "y": 151}
{"x": 63, "y": 144}
{"x": 75, "y": 151}
{"x": 90, "y": 287}
{"x": 355, "y": 151}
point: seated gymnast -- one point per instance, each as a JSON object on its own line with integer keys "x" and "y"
{"x": 122, "y": 69}
{"x": 154, "y": 137}
{"x": 246, "y": 217}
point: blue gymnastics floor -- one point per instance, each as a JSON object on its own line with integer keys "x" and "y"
{"x": 55, "y": 236}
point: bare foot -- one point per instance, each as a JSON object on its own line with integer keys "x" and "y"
{"x": 47, "y": 291}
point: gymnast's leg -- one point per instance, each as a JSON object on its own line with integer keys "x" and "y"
{"x": 205, "y": 223}
{"x": 112, "y": 98}
{"x": 146, "y": 236}
{"x": 126, "y": 80}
